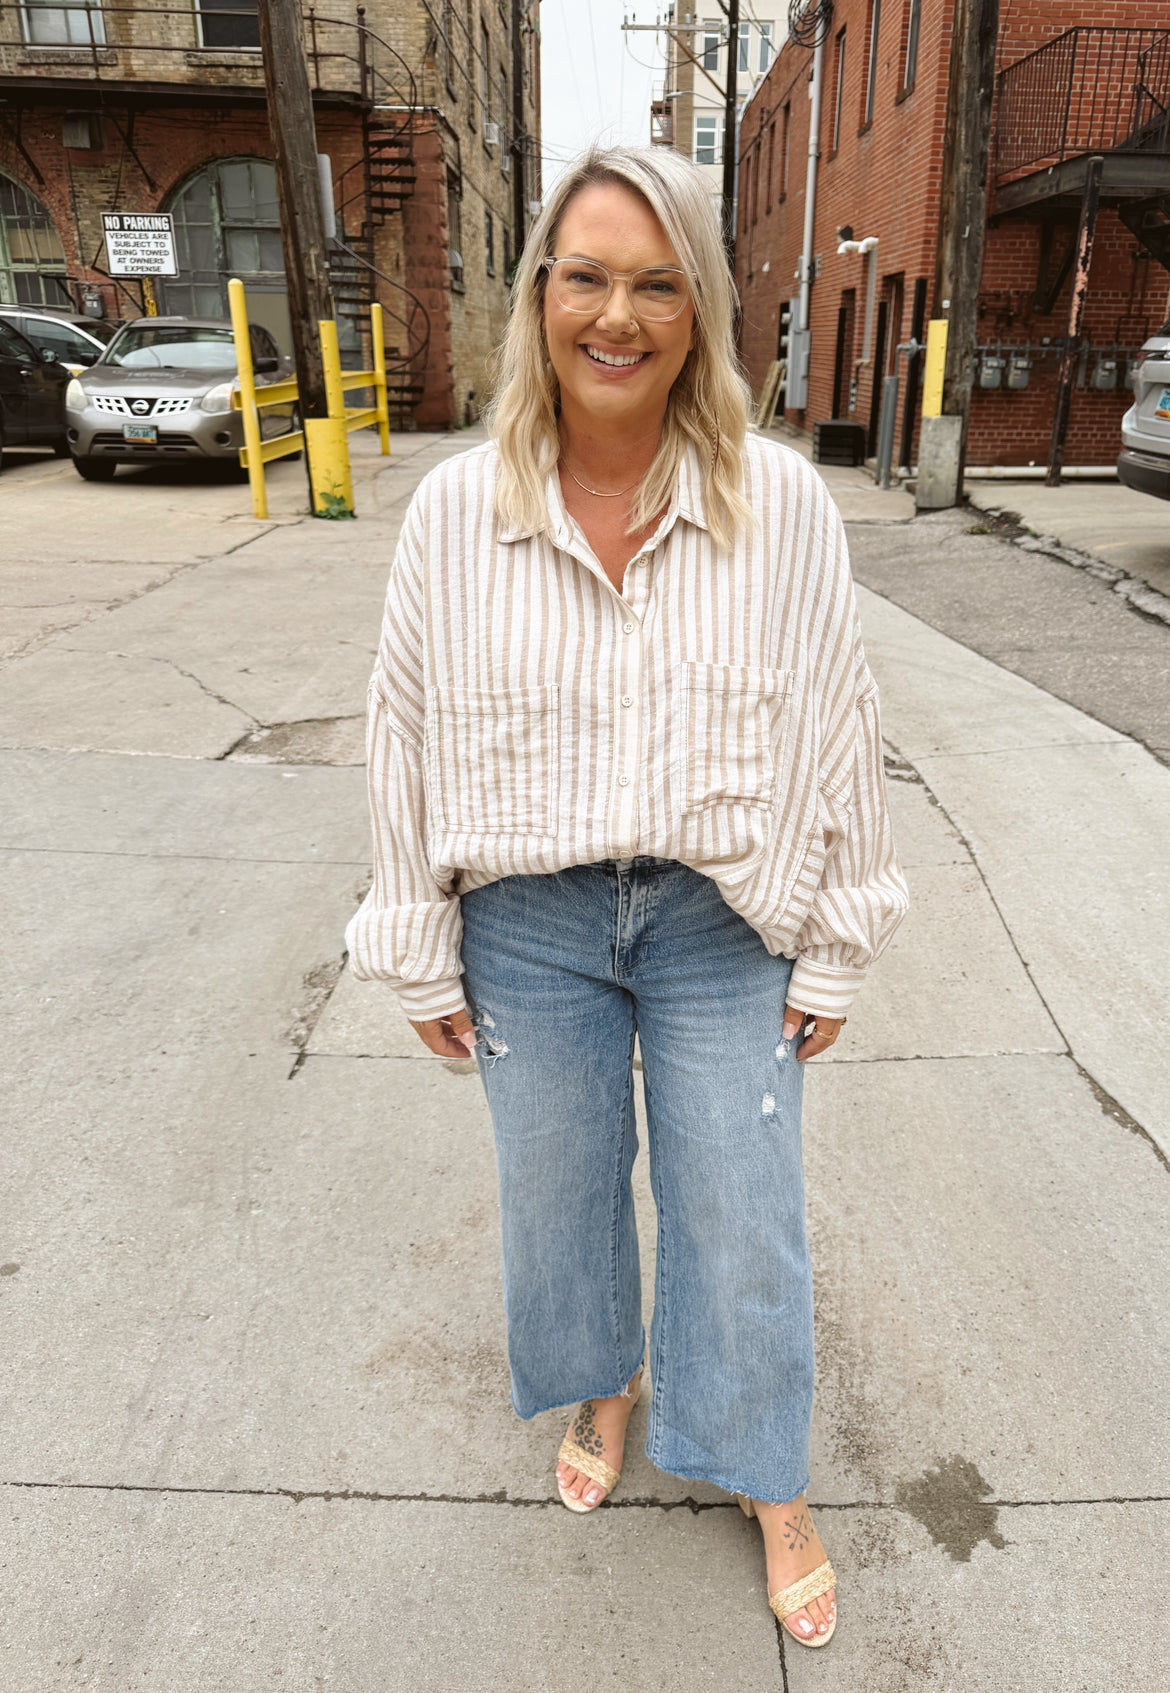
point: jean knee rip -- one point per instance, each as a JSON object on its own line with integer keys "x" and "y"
{"x": 768, "y": 1107}
{"x": 494, "y": 1047}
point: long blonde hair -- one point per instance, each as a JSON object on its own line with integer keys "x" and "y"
{"x": 709, "y": 402}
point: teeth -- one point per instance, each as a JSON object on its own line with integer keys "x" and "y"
{"x": 614, "y": 358}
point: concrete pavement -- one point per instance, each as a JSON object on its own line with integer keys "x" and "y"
{"x": 255, "y": 1422}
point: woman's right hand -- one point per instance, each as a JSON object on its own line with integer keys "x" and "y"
{"x": 448, "y": 1037}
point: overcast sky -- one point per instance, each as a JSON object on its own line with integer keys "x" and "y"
{"x": 596, "y": 83}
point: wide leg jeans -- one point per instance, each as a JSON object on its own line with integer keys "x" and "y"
{"x": 562, "y": 971}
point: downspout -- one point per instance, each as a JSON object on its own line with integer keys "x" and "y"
{"x": 805, "y": 273}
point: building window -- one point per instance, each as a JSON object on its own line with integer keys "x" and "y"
{"x": 745, "y": 48}
{"x": 708, "y": 150}
{"x": 505, "y": 157}
{"x": 63, "y": 26}
{"x": 711, "y": 37}
{"x": 910, "y": 60}
{"x": 755, "y": 184}
{"x": 489, "y": 241}
{"x": 765, "y": 47}
{"x": 470, "y": 70}
{"x": 32, "y": 259}
{"x": 785, "y": 130}
{"x": 240, "y": 29}
{"x": 485, "y": 86}
{"x": 771, "y": 165}
{"x": 875, "y": 21}
{"x": 455, "y": 231}
{"x": 445, "y": 46}
{"x": 227, "y": 223}
{"x": 838, "y": 89}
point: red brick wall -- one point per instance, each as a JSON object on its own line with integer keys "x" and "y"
{"x": 884, "y": 180}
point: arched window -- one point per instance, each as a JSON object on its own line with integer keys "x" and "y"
{"x": 227, "y": 224}
{"x": 32, "y": 259}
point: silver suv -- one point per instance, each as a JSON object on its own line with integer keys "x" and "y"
{"x": 1144, "y": 463}
{"x": 163, "y": 390}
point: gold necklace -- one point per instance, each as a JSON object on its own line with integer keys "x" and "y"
{"x": 597, "y": 492}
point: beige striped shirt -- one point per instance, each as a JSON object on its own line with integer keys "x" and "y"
{"x": 524, "y": 717}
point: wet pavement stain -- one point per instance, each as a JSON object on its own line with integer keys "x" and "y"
{"x": 949, "y": 1503}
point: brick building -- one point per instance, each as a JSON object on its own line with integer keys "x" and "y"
{"x": 1070, "y": 82}
{"x": 427, "y": 111}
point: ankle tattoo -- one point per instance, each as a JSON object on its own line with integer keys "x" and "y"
{"x": 798, "y": 1530}
{"x": 585, "y": 1431}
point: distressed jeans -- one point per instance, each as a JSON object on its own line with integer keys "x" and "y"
{"x": 562, "y": 971}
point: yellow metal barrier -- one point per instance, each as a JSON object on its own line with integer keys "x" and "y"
{"x": 936, "y": 363}
{"x": 323, "y": 437}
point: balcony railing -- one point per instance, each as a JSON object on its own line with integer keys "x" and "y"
{"x": 214, "y": 44}
{"x": 1090, "y": 90}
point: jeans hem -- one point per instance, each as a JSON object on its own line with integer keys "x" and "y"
{"x": 607, "y": 1392}
{"x": 723, "y": 1481}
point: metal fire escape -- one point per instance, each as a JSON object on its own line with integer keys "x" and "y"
{"x": 1089, "y": 92}
{"x": 372, "y": 190}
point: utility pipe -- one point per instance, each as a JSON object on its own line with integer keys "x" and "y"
{"x": 804, "y": 273}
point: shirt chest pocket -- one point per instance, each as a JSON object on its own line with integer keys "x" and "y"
{"x": 493, "y": 760}
{"x": 732, "y": 718}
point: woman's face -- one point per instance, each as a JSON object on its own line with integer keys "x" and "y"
{"x": 615, "y": 227}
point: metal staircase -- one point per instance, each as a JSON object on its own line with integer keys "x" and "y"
{"x": 1091, "y": 91}
{"x": 370, "y": 192}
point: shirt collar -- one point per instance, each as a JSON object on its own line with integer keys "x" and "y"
{"x": 689, "y": 502}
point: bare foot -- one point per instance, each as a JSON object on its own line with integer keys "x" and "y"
{"x": 793, "y": 1548}
{"x": 598, "y": 1428}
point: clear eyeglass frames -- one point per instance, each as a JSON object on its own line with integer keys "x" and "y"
{"x": 656, "y": 294}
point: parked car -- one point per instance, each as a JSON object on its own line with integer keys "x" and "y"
{"x": 1144, "y": 463}
{"x": 78, "y": 341}
{"x": 32, "y": 394}
{"x": 163, "y": 390}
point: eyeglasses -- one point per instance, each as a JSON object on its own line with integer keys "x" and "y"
{"x": 656, "y": 294}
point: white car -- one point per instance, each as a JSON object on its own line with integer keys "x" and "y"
{"x": 1144, "y": 463}
{"x": 75, "y": 340}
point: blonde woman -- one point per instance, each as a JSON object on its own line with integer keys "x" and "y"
{"x": 626, "y": 780}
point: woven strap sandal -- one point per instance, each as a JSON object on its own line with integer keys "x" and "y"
{"x": 790, "y": 1599}
{"x": 589, "y": 1464}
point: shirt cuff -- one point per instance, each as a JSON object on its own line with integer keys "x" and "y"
{"x": 424, "y": 1001}
{"x": 825, "y": 990}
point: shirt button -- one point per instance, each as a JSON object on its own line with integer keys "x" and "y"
{"x": 628, "y": 627}
{"x": 623, "y": 781}
{"x": 627, "y": 699}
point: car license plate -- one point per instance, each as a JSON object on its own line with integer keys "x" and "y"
{"x": 140, "y": 432}
{"x": 1162, "y": 409}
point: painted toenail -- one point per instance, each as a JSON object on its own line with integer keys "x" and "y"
{"x": 805, "y": 1627}
{"x": 822, "y": 1628}
{"x": 592, "y": 1496}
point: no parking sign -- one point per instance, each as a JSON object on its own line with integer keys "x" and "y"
{"x": 140, "y": 243}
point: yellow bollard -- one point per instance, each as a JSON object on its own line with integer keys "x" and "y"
{"x": 255, "y": 462}
{"x": 936, "y": 363}
{"x": 378, "y": 341}
{"x": 329, "y": 474}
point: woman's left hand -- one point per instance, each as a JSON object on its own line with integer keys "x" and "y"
{"x": 822, "y": 1037}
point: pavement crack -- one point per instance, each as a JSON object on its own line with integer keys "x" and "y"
{"x": 1113, "y": 1109}
{"x": 1109, "y": 1106}
{"x": 501, "y": 1496}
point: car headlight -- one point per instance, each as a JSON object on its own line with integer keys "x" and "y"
{"x": 75, "y": 399}
{"x": 218, "y": 399}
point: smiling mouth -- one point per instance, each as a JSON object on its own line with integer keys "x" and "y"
{"x": 600, "y": 355}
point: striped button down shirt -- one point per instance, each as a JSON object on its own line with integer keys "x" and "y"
{"x": 525, "y": 716}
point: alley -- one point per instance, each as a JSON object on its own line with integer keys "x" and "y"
{"x": 256, "y": 1420}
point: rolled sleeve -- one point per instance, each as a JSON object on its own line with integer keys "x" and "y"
{"x": 862, "y": 895}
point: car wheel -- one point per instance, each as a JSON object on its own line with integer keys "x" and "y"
{"x": 60, "y": 447}
{"x": 95, "y": 470}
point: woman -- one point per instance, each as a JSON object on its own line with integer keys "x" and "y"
{"x": 626, "y": 777}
